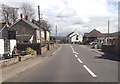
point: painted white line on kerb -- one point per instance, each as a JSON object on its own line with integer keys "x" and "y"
{"x": 56, "y": 51}
{"x": 91, "y": 73}
{"x": 76, "y": 55}
{"x": 59, "y": 49}
{"x": 79, "y": 60}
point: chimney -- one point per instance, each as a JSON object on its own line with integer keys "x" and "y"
{"x": 33, "y": 21}
{"x": 21, "y": 16}
{"x": 26, "y": 17}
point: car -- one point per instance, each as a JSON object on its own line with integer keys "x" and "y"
{"x": 92, "y": 43}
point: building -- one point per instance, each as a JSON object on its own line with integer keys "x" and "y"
{"x": 7, "y": 40}
{"x": 93, "y": 36}
{"x": 29, "y": 32}
{"x": 74, "y": 38}
{"x": 111, "y": 37}
{"x": 26, "y": 31}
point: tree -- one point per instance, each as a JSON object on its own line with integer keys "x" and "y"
{"x": 46, "y": 25}
{"x": 9, "y": 14}
{"x": 27, "y": 10}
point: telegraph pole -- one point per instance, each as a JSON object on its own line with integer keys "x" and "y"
{"x": 39, "y": 26}
{"x": 56, "y": 31}
{"x": 108, "y": 30}
{"x": 39, "y": 21}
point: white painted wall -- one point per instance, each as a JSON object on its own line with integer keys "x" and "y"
{"x": 1, "y": 46}
{"x": 73, "y": 39}
{"x": 12, "y": 45}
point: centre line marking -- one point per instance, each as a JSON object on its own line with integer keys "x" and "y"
{"x": 91, "y": 73}
{"x": 76, "y": 55}
{"x": 79, "y": 60}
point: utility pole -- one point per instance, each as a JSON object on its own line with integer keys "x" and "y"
{"x": 56, "y": 31}
{"x": 39, "y": 26}
{"x": 108, "y": 30}
{"x": 39, "y": 21}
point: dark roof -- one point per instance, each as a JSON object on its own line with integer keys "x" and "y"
{"x": 5, "y": 26}
{"x": 2, "y": 25}
{"x": 94, "y": 33}
{"x": 28, "y": 22}
{"x": 112, "y": 34}
{"x": 69, "y": 34}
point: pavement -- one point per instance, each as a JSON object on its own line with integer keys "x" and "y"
{"x": 94, "y": 50}
{"x": 70, "y": 63}
{"x": 20, "y": 67}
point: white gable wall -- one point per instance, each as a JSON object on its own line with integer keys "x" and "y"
{"x": 1, "y": 46}
{"x": 12, "y": 45}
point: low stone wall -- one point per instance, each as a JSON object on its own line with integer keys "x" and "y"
{"x": 15, "y": 60}
{"x": 8, "y": 62}
{"x": 44, "y": 50}
{"x": 11, "y": 61}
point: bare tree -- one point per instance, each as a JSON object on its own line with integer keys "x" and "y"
{"x": 27, "y": 10}
{"x": 46, "y": 25}
{"x": 9, "y": 14}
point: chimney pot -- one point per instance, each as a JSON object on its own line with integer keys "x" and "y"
{"x": 26, "y": 17}
{"x": 33, "y": 21}
{"x": 21, "y": 16}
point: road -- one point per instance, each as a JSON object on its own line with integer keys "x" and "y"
{"x": 71, "y": 63}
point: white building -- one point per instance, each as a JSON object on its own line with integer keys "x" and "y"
{"x": 74, "y": 38}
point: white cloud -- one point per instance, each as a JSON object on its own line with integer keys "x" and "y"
{"x": 83, "y": 15}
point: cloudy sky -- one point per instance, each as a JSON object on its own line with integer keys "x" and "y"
{"x": 79, "y": 15}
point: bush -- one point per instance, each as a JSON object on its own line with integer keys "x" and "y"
{"x": 30, "y": 51}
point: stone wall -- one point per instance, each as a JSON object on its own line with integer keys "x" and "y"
{"x": 11, "y": 61}
{"x": 15, "y": 60}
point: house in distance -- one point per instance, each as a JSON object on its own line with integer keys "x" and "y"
{"x": 74, "y": 38}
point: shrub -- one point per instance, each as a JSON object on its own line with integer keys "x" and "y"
{"x": 30, "y": 51}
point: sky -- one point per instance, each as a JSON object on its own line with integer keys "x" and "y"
{"x": 75, "y": 15}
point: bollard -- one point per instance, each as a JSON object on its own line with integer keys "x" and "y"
{"x": 19, "y": 58}
{"x": 48, "y": 47}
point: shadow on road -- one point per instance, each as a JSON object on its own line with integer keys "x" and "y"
{"x": 108, "y": 56}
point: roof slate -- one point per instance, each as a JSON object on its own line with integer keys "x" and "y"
{"x": 28, "y": 22}
{"x": 94, "y": 33}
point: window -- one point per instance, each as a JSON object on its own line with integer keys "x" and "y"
{"x": 77, "y": 37}
{"x": 6, "y": 45}
{"x": 16, "y": 32}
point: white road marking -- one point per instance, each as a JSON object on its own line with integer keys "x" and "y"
{"x": 56, "y": 51}
{"x": 59, "y": 49}
{"x": 91, "y": 73}
{"x": 76, "y": 55}
{"x": 79, "y": 60}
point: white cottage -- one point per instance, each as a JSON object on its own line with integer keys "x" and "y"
{"x": 74, "y": 38}
{"x": 7, "y": 41}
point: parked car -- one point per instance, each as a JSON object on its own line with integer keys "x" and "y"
{"x": 92, "y": 43}
{"x": 2, "y": 58}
